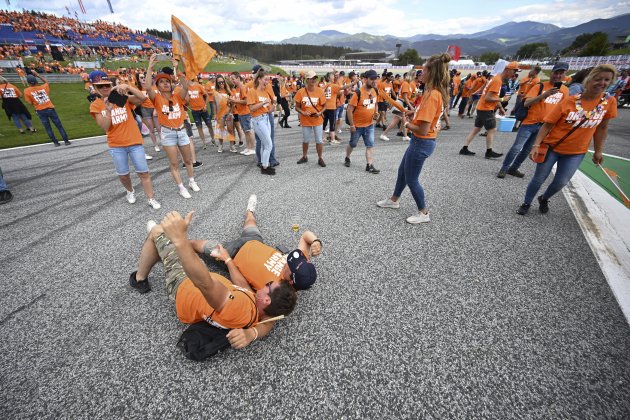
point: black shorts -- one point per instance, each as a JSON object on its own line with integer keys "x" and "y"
{"x": 382, "y": 107}
{"x": 235, "y": 117}
{"x": 486, "y": 119}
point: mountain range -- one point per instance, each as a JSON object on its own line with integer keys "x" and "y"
{"x": 505, "y": 39}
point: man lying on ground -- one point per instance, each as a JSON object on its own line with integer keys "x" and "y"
{"x": 200, "y": 295}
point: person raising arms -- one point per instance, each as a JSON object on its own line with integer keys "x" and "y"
{"x": 123, "y": 137}
{"x": 424, "y": 129}
{"x": 147, "y": 111}
{"x": 170, "y": 111}
{"x": 567, "y": 133}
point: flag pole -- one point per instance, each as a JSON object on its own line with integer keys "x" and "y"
{"x": 625, "y": 198}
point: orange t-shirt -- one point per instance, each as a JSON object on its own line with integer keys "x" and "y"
{"x": 221, "y": 99}
{"x": 195, "y": 97}
{"x": 565, "y": 115}
{"x": 123, "y": 131}
{"x": 430, "y": 110}
{"x": 259, "y": 263}
{"x": 363, "y": 115}
{"x": 38, "y": 97}
{"x": 250, "y": 85}
{"x": 315, "y": 103}
{"x": 405, "y": 88}
{"x": 493, "y": 86}
{"x": 10, "y": 91}
{"x": 396, "y": 85}
{"x": 385, "y": 87}
{"x": 526, "y": 84}
{"x": 147, "y": 102}
{"x": 478, "y": 84}
{"x": 238, "y": 311}
{"x": 330, "y": 93}
{"x": 255, "y": 96}
{"x": 538, "y": 111}
{"x": 240, "y": 94}
{"x": 166, "y": 117}
{"x": 209, "y": 88}
{"x": 456, "y": 82}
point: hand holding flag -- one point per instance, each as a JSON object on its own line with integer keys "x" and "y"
{"x": 187, "y": 45}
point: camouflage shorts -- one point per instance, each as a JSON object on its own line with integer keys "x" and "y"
{"x": 174, "y": 272}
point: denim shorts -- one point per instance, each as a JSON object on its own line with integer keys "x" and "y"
{"x": 201, "y": 115}
{"x": 146, "y": 112}
{"x": 368, "y": 136}
{"x": 249, "y": 233}
{"x": 313, "y": 133}
{"x": 246, "y": 122}
{"x": 174, "y": 137}
{"x": 339, "y": 112}
{"x": 121, "y": 156}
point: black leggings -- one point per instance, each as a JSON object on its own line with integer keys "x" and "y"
{"x": 329, "y": 115}
{"x": 285, "y": 107}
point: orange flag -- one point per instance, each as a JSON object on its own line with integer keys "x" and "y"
{"x": 189, "y": 46}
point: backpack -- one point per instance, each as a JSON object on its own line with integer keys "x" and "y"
{"x": 520, "y": 112}
{"x": 202, "y": 340}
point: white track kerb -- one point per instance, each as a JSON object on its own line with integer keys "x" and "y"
{"x": 605, "y": 224}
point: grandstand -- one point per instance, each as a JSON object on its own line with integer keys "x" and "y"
{"x": 34, "y": 32}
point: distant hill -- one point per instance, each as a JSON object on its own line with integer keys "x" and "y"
{"x": 506, "y": 38}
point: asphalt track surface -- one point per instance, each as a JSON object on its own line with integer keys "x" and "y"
{"x": 479, "y": 314}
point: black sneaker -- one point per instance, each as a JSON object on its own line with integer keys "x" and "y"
{"x": 321, "y": 163}
{"x": 371, "y": 169}
{"x": 543, "y": 205}
{"x": 67, "y": 142}
{"x": 501, "y": 174}
{"x": 347, "y": 162}
{"x": 491, "y": 155}
{"x": 399, "y": 134}
{"x": 268, "y": 171}
{"x": 57, "y": 144}
{"x": 141, "y": 286}
{"x": 197, "y": 164}
{"x": 516, "y": 173}
{"x": 523, "y": 209}
{"x": 484, "y": 134}
{"x": 466, "y": 152}
{"x": 303, "y": 159}
{"x": 5, "y": 196}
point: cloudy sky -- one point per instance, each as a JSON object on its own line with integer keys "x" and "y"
{"x": 272, "y": 20}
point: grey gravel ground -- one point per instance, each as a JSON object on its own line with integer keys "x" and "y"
{"x": 479, "y": 314}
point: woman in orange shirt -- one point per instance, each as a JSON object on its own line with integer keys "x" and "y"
{"x": 147, "y": 111}
{"x": 260, "y": 103}
{"x": 404, "y": 96}
{"x": 170, "y": 111}
{"x": 424, "y": 128}
{"x": 567, "y": 131}
{"x": 123, "y": 136}
{"x": 225, "y": 116}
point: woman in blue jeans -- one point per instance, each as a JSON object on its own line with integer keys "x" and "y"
{"x": 568, "y": 131}
{"x": 259, "y": 103}
{"x": 424, "y": 129}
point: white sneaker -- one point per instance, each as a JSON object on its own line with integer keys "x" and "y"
{"x": 418, "y": 218}
{"x": 131, "y": 196}
{"x": 184, "y": 193}
{"x": 157, "y": 148}
{"x": 327, "y": 130}
{"x": 384, "y": 137}
{"x": 150, "y": 225}
{"x": 220, "y": 148}
{"x": 244, "y": 151}
{"x": 193, "y": 186}
{"x": 406, "y": 138}
{"x": 148, "y": 157}
{"x": 154, "y": 203}
{"x": 250, "y": 152}
{"x": 334, "y": 141}
{"x": 233, "y": 149}
{"x": 388, "y": 204}
{"x": 251, "y": 203}
{"x": 339, "y": 131}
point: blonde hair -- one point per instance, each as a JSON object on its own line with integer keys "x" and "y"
{"x": 602, "y": 68}
{"x": 259, "y": 75}
{"x": 437, "y": 75}
{"x": 410, "y": 75}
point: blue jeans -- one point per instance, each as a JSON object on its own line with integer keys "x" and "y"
{"x": 522, "y": 146}
{"x": 567, "y": 165}
{"x": 262, "y": 128}
{"x": 46, "y": 116}
{"x": 272, "y": 156}
{"x": 3, "y": 184}
{"x": 411, "y": 166}
{"x": 368, "y": 136}
{"x": 18, "y": 124}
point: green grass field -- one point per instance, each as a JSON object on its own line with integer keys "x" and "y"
{"x": 73, "y": 109}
